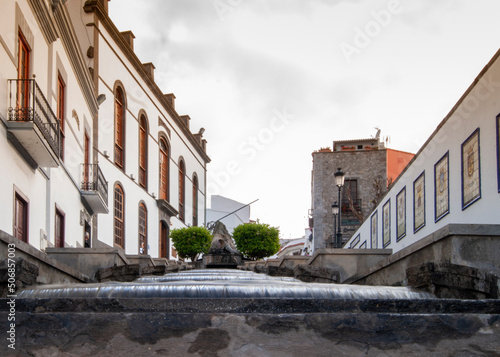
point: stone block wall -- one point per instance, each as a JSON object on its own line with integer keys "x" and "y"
{"x": 364, "y": 166}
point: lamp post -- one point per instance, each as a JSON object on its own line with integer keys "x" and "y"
{"x": 335, "y": 211}
{"x": 339, "y": 181}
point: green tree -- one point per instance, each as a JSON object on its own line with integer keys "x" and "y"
{"x": 191, "y": 241}
{"x": 257, "y": 240}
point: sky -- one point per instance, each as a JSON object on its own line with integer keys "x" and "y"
{"x": 271, "y": 81}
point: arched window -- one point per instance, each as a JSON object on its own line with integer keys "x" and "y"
{"x": 195, "y": 200}
{"x": 61, "y": 93}
{"x": 143, "y": 151}
{"x": 143, "y": 229}
{"x": 164, "y": 159}
{"x": 182, "y": 181}
{"x": 119, "y": 128}
{"x": 119, "y": 216}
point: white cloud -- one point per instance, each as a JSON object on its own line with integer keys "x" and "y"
{"x": 230, "y": 74}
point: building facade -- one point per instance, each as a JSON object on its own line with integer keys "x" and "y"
{"x": 230, "y": 212}
{"x": 453, "y": 179}
{"x": 369, "y": 168}
{"x": 94, "y": 148}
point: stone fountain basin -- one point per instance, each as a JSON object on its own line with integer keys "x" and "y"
{"x": 213, "y": 283}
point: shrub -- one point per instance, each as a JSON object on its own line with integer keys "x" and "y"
{"x": 257, "y": 240}
{"x": 191, "y": 241}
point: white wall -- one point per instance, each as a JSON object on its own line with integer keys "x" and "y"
{"x": 478, "y": 108}
{"x": 221, "y": 206}
{"x": 44, "y": 187}
{"x": 115, "y": 67}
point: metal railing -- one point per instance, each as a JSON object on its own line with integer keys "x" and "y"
{"x": 93, "y": 180}
{"x": 28, "y": 104}
{"x": 346, "y": 206}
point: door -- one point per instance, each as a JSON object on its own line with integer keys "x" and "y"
{"x": 21, "y": 218}
{"x": 59, "y": 229}
{"x": 23, "y": 68}
{"x": 163, "y": 240}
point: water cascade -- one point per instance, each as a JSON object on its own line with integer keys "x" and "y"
{"x": 226, "y": 283}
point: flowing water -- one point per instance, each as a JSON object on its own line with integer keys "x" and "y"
{"x": 216, "y": 283}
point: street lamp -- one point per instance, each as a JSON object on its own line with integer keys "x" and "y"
{"x": 335, "y": 211}
{"x": 339, "y": 181}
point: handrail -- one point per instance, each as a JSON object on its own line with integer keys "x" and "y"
{"x": 93, "y": 180}
{"x": 28, "y": 104}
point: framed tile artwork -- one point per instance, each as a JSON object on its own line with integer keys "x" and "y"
{"x": 419, "y": 202}
{"x": 374, "y": 230}
{"x": 386, "y": 223}
{"x": 401, "y": 214}
{"x": 471, "y": 170}
{"x": 441, "y": 188}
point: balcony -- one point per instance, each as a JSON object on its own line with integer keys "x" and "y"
{"x": 32, "y": 126}
{"x": 94, "y": 189}
{"x": 346, "y": 206}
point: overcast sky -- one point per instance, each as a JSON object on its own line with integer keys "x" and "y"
{"x": 273, "y": 80}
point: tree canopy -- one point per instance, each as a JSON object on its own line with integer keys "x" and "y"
{"x": 257, "y": 240}
{"x": 191, "y": 241}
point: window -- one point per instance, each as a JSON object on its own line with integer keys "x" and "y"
{"x": 164, "y": 152}
{"x": 195, "y": 200}
{"x": 350, "y": 189}
{"x": 143, "y": 229}
{"x": 119, "y": 217}
{"x": 86, "y": 161}
{"x": 23, "y": 74}
{"x": 61, "y": 88}
{"x": 119, "y": 128}
{"x": 20, "y": 217}
{"x": 182, "y": 170}
{"x": 59, "y": 229}
{"x": 143, "y": 151}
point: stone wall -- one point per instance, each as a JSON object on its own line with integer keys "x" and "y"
{"x": 348, "y": 262}
{"x": 89, "y": 260}
{"x": 252, "y": 327}
{"x": 49, "y": 271}
{"x": 365, "y": 166}
{"x": 460, "y": 260}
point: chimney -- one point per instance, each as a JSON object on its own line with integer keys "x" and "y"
{"x": 170, "y": 97}
{"x": 185, "y": 119}
{"x": 129, "y": 37}
{"x": 150, "y": 68}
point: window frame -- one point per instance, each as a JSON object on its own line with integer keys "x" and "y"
{"x": 119, "y": 240}
{"x": 143, "y": 228}
{"x": 164, "y": 163}
{"x": 195, "y": 200}
{"x": 59, "y": 225}
{"x": 119, "y": 145}
{"x": 143, "y": 151}
{"x": 61, "y": 103}
{"x": 19, "y": 196}
{"x": 23, "y": 87}
{"x": 182, "y": 187}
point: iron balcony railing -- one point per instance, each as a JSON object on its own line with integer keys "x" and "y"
{"x": 346, "y": 206}
{"x": 93, "y": 180}
{"x": 28, "y": 104}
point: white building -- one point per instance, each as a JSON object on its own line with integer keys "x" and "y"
{"x": 230, "y": 212}
{"x": 454, "y": 178}
{"x": 89, "y": 142}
